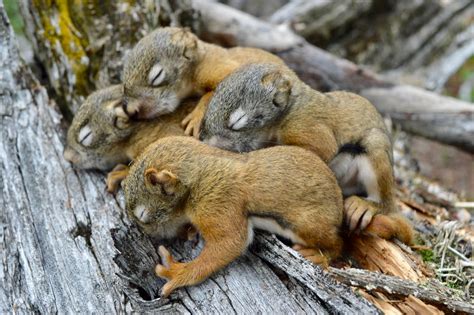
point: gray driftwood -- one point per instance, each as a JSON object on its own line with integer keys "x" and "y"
{"x": 432, "y": 292}
{"x": 66, "y": 245}
{"x": 440, "y": 118}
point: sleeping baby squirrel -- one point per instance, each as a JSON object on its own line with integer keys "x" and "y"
{"x": 283, "y": 189}
{"x": 100, "y": 139}
{"x": 171, "y": 64}
{"x": 344, "y": 129}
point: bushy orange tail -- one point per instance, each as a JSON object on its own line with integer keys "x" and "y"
{"x": 391, "y": 226}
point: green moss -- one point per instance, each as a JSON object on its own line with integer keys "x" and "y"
{"x": 59, "y": 28}
{"x": 427, "y": 255}
{"x": 464, "y": 73}
{"x": 453, "y": 285}
{"x": 13, "y": 12}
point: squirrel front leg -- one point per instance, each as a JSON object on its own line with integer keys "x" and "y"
{"x": 192, "y": 122}
{"x": 225, "y": 240}
{"x": 115, "y": 177}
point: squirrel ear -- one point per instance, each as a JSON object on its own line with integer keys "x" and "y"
{"x": 163, "y": 180}
{"x": 282, "y": 86}
{"x": 190, "y": 44}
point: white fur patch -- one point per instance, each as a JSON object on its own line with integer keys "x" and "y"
{"x": 270, "y": 225}
{"x": 156, "y": 75}
{"x": 212, "y": 141}
{"x": 142, "y": 214}
{"x": 352, "y": 171}
{"x": 250, "y": 233}
{"x": 219, "y": 142}
{"x": 344, "y": 168}
{"x": 85, "y": 136}
{"x": 368, "y": 179}
{"x": 238, "y": 119}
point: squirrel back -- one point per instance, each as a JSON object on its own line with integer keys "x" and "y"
{"x": 224, "y": 195}
{"x": 260, "y": 105}
{"x": 269, "y": 181}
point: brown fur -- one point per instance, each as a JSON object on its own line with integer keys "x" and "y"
{"x": 179, "y": 180}
{"x": 330, "y": 122}
{"x": 344, "y": 129}
{"x": 113, "y": 146}
{"x": 199, "y": 73}
{"x": 391, "y": 226}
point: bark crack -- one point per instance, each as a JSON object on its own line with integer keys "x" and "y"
{"x": 28, "y": 204}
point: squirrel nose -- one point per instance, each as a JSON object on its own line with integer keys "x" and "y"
{"x": 70, "y": 155}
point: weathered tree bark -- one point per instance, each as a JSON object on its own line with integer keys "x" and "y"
{"x": 316, "y": 20}
{"x": 428, "y": 292}
{"x": 440, "y": 118}
{"x": 66, "y": 246}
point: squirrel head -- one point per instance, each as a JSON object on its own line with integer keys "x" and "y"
{"x": 97, "y": 131}
{"x": 158, "y": 71}
{"x": 246, "y": 105}
{"x": 155, "y": 193}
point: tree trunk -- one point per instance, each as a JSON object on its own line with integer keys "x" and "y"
{"x": 67, "y": 246}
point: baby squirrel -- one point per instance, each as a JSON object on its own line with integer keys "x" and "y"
{"x": 100, "y": 139}
{"x": 224, "y": 195}
{"x": 170, "y": 64}
{"x": 344, "y": 129}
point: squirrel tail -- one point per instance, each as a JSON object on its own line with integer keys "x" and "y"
{"x": 390, "y": 226}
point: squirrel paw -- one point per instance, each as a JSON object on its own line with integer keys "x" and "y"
{"x": 169, "y": 270}
{"x": 315, "y": 255}
{"x": 192, "y": 124}
{"x": 127, "y": 110}
{"x": 189, "y": 233}
{"x": 358, "y": 213}
{"x": 115, "y": 177}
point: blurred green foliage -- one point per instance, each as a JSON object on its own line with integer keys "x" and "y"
{"x": 464, "y": 76}
{"x": 13, "y": 11}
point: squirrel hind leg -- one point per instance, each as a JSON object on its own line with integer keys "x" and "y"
{"x": 391, "y": 226}
{"x": 316, "y": 256}
{"x": 321, "y": 250}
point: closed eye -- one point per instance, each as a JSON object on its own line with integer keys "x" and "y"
{"x": 156, "y": 76}
{"x": 238, "y": 119}
{"x": 85, "y": 136}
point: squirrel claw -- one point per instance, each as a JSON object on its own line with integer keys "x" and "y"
{"x": 359, "y": 213}
{"x": 167, "y": 289}
{"x": 314, "y": 255}
{"x": 192, "y": 124}
{"x": 165, "y": 256}
{"x": 169, "y": 270}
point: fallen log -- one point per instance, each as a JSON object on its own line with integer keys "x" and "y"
{"x": 436, "y": 117}
{"x": 315, "y": 20}
{"x": 431, "y": 292}
{"x": 66, "y": 246}
{"x": 403, "y": 36}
